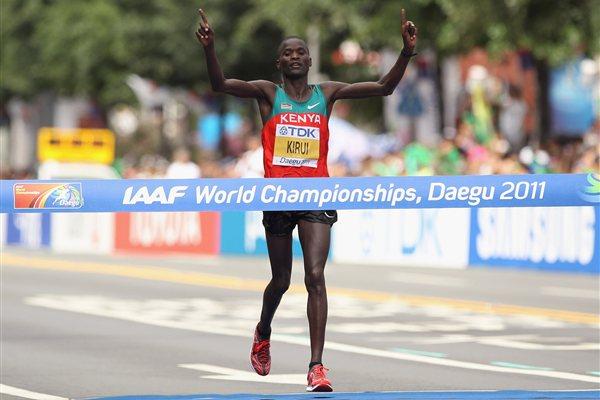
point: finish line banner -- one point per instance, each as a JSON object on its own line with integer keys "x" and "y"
{"x": 299, "y": 193}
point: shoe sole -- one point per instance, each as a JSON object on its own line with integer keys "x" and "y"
{"x": 320, "y": 388}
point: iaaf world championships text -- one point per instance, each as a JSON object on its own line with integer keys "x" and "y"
{"x": 390, "y": 194}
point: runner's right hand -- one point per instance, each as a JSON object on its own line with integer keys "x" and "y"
{"x": 205, "y": 34}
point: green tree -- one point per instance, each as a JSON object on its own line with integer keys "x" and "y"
{"x": 90, "y": 46}
{"x": 17, "y": 52}
{"x": 552, "y": 30}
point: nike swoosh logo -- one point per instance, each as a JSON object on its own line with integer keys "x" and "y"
{"x": 313, "y": 106}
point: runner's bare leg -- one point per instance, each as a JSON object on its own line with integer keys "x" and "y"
{"x": 280, "y": 256}
{"x": 315, "y": 239}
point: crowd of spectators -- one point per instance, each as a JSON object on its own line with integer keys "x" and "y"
{"x": 467, "y": 153}
{"x": 492, "y": 134}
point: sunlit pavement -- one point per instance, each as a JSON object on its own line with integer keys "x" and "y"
{"x": 95, "y": 327}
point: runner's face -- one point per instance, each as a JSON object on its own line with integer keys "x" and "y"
{"x": 294, "y": 60}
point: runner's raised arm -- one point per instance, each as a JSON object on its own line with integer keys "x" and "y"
{"x": 260, "y": 89}
{"x": 386, "y": 85}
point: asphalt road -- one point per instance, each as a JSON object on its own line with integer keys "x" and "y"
{"x": 99, "y": 326}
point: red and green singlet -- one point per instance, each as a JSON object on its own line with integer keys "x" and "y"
{"x": 295, "y": 138}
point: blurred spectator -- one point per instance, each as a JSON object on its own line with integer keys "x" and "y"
{"x": 411, "y": 104}
{"x": 450, "y": 160}
{"x": 211, "y": 168}
{"x": 182, "y": 167}
{"x": 418, "y": 159}
{"x": 589, "y": 161}
{"x": 391, "y": 164}
{"x": 512, "y": 118}
{"x": 478, "y": 111}
{"x": 250, "y": 164}
{"x": 339, "y": 169}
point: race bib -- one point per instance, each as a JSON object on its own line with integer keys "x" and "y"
{"x": 296, "y": 146}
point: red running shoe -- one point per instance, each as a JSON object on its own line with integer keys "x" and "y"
{"x": 317, "y": 380}
{"x": 260, "y": 357}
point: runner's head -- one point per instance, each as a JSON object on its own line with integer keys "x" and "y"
{"x": 293, "y": 59}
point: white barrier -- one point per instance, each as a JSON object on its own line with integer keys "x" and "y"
{"x": 437, "y": 238}
{"x": 83, "y": 233}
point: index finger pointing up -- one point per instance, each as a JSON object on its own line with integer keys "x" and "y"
{"x": 203, "y": 16}
{"x": 403, "y": 16}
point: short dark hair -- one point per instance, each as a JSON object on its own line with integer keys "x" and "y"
{"x": 280, "y": 48}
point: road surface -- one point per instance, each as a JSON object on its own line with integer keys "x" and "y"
{"x": 99, "y": 326}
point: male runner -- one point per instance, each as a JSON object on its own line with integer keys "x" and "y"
{"x": 295, "y": 143}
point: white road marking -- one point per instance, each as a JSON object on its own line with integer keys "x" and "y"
{"x": 518, "y": 344}
{"x": 570, "y": 292}
{"x": 123, "y": 309}
{"x": 426, "y": 279}
{"x": 523, "y": 342}
{"x": 13, "y": 391}
{"x": 230, "y": 374}
{"x": 374, "y": 327}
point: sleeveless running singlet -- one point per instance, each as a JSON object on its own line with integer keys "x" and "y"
{"x": 295, "y": 138}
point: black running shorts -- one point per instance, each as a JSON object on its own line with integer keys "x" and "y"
{"x": 283, "y": 222}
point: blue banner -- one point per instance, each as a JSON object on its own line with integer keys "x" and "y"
{"x": 28, "y": 230}
{"x": 558, "y": 238}
{"x": 242, "y": 233}
{"x": 300, "y": 193}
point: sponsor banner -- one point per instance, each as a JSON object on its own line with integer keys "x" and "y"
{"x": 28, "y": 230}
{"x": 83, "y": 233}
{"x": 436, "y": 238}
{"x": 191, "y": 232}
{"x": 329, "y": 193}
{"x": 243, "y": 233}
{"x": 557, "y": 238}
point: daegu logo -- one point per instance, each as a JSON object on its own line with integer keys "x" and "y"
{"x": 48, "y": 195}
{"x": 158, "y": 195}
{"x": 67, "y": 196}
{"x": 306, "y": 132}
{"x": 591, "y": 193}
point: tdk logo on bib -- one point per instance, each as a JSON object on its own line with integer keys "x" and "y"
{"x": 306, "y": 132}
{"x": 296, "y": 146}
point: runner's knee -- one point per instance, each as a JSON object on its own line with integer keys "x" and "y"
{"x": 280, "y": 284}
{"x": 315, "y": 281}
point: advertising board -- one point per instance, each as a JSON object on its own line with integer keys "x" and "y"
{"x": 556, "y": 238}
{"x": 437, "y": 238}
{"x": 184, "y": 232}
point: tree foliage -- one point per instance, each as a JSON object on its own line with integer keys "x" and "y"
{"x": 90, "y": 46}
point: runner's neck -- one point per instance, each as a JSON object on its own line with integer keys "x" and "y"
{"x": 297, "y": 89}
